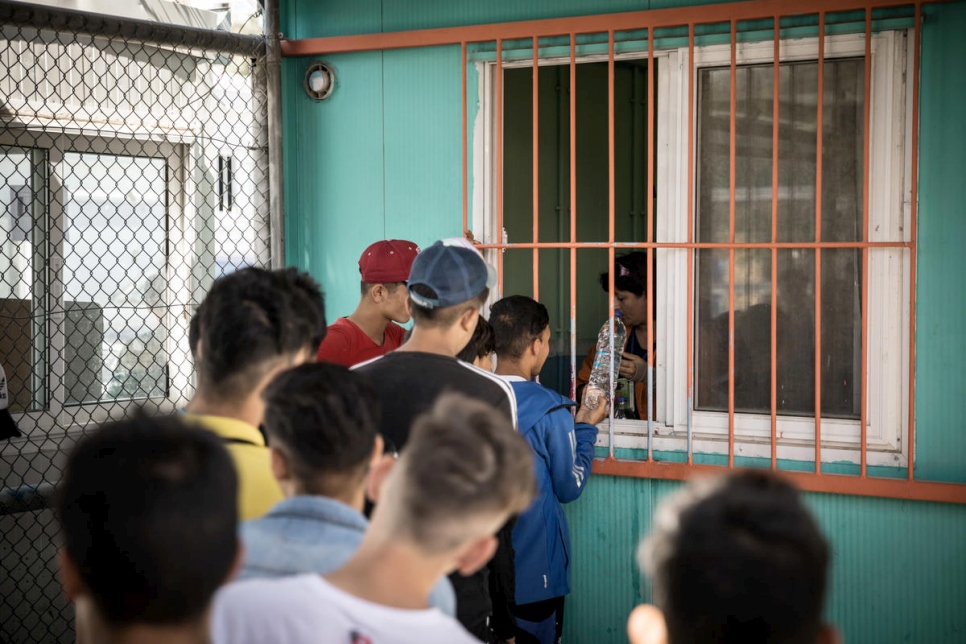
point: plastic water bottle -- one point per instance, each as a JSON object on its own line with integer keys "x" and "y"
{"x": 620, "y": 409}
{"x": 604, "y": 374}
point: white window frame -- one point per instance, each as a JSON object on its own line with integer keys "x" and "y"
{"x": 887, "y": 367}
{"x": 41, "y": 426}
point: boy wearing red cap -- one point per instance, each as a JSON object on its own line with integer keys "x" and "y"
{"x": 372, "y": 329}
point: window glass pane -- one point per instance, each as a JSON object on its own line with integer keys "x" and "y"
{"x": 22, "y": 290}
{"x": 114, "y": 277}
{"x": 841, "y": 221}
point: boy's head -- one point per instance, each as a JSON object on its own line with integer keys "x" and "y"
{"x": 321, "y": 424}
{"x": 384, "y": 267}
{"x": 521, "y": 331}
{"x": 737, "y": 559}
{"x": 253, "y": 323}
{"x": 448, "y": 284}
{"x": 479, "y": 350}
{"x": 463, "y": 473}
{"x": 148, "y": 511}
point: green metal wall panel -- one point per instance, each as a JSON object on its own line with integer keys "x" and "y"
{"x": 941, "y": 303}
{"x": 334, "y": 186}
{"x": 315, "y": 18}
{"x": 898, "y": 572}
{"x": 424, "y": 181}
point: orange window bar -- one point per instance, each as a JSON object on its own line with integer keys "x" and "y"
{"x": 693, "y": 19}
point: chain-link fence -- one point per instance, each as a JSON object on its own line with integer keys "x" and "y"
{"x": 134, "y": 170}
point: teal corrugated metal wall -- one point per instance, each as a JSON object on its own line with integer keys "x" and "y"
{"x": 382, "y": 158}
{"x": 941, "y": 302}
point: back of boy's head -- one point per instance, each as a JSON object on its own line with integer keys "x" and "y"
{"x": 442, "y": 317}
{"x": 738, "y": 559}
{"x": 464, "y": 471}
{"x": 250, "y": 321}
{"x": 481, "y": 344}
{"x": 323, "y": 417}
{"x": 148, "y": 511}
{"x": 517, "y": 321}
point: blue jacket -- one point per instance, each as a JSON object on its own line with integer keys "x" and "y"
{"x": 313, "y": 534}
{"x": 563, "y": 452}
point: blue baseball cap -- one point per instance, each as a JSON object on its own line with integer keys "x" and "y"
{"x": 453, "y": 270}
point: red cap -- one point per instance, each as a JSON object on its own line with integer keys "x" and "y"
{"x": 387, "y": 261}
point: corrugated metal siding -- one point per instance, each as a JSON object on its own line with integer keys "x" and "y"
{"x": 941, "y": 303}
{"x": 899, "y": 571}
{"x": 314, "y": 19}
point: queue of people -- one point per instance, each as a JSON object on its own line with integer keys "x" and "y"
{"x": 348, "y": 484}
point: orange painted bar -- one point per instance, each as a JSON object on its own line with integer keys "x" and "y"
{"x": 866, "y": 171}
{"x": 524, "y": 29}
{"x": 690, "y": 279}
{"x": 913, "y": 232}
{"x": 466, "y": 198}
{"x": 610, "y": 150}
{"x": 499, "y": 158}
{"x": 809, "y": 481}
{"x": 610, "y": 213}
{"x": 818, "y": 238}
{"x": 536, "y": 166}
{"x": 774, "y": 251}
{"x": 731, "y": 239}
{"x": 573, "y": 214}
{"x": 650, "y": 237}
{"x": 724, "y": 245}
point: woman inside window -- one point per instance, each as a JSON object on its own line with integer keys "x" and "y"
{"x": 630, "y": 295}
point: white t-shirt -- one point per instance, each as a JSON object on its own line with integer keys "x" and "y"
{"x": 306, "y": 609}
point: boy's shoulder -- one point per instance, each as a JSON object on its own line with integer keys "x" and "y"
{"x": 534, "y": 401}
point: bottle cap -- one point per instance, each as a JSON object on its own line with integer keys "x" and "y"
{"x": 621, "y": 399}
{"x": 618, "y": 314}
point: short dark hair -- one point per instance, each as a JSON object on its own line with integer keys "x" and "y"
{"x": 444, "y": 316}
{"x": 517, "y": 321}
{"x": 323, "y": 417}
{"x": 250, "y": 319}
{"x": 630, "y": 273}
{"x": 480, "y": 345}
{"x": 463, "y": 460}
{"x": 149, "y": 514}
{"x": 366, "y": 287}
{"x": 738, "y": 559}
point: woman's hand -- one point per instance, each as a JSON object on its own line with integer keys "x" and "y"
{"x": 633, "y": 367}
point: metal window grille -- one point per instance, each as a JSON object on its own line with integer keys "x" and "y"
{"x": 134, "y": 170}
{"x": 568, "y": 43}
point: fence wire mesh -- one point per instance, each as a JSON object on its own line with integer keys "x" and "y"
{"x": 134, "y": 170}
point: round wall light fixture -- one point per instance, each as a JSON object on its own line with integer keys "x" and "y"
{"x": 319, "y": 81}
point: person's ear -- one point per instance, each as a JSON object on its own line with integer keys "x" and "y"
{"x": 70, "y": 577}
{"x": 646, "y": 626}
{"x": 279, "y": 464}
{"x": 378, "y": 475}
{"x": 535, "y": 346}
{"x": 378, "y": 447}
{"x": 469, "y": 320}
{"x": 476, "y": 554}
{"x": 378, "y": 293}
{"x": 828, "y": 634}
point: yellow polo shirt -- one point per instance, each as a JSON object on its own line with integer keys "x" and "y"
{"x": 257, "y": 488}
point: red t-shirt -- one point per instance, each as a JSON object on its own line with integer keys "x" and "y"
{"x": 347, "y": 344}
